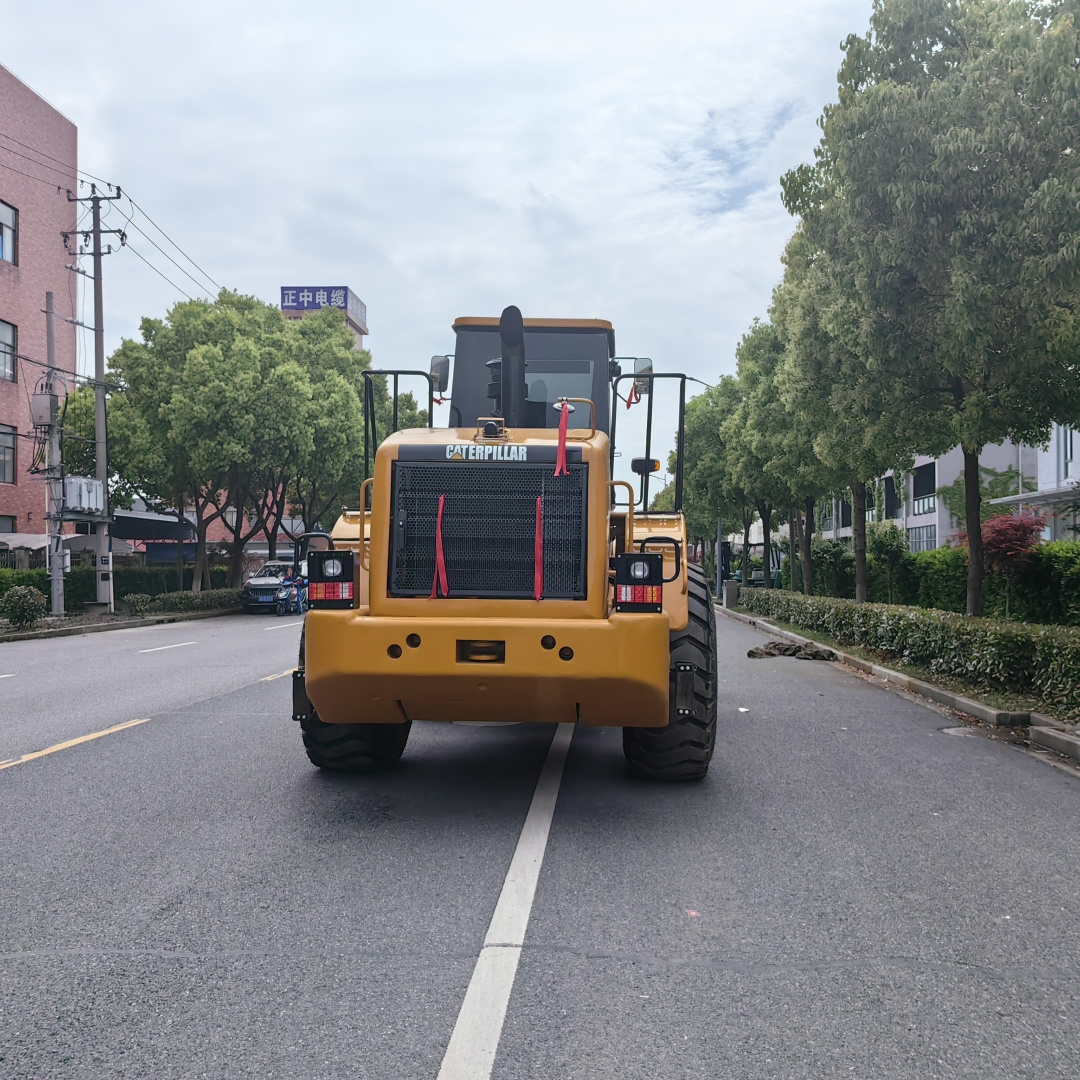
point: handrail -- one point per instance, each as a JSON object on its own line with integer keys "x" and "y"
{"x": 362, "y": 550}
{"x": 629, "y": 511}
{"x": 371, "y": 437}
{"x": 679, "y": 447}
{"x": 592, "y": 417}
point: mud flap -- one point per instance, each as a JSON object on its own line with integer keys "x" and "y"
{"x": 301, "y": 707}
{"x": 684, "y": 689}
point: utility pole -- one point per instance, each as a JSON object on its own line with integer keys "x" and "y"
{"x": 54, "y": 473}
{"x": 102, "y": 557}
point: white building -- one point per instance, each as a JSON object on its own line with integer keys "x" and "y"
{"x": 1058, "y": 493}
{"x": 918, "y": 509}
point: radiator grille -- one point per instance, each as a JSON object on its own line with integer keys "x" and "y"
{"x": 489, "y": 528}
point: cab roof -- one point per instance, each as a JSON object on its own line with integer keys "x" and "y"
{"x": 492, "y": 323}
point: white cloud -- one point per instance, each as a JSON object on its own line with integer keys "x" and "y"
{"x": 606, "y": 159}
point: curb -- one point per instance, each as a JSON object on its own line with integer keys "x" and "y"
{"x": 125, "y": 624}
{"x": 1053, "y": 739}
{"x": 988, "y": 715}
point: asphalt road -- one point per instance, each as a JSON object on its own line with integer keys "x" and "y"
{"x": 852, "y": 893}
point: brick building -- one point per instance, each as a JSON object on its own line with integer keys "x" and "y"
{"x": 38, "y": 160}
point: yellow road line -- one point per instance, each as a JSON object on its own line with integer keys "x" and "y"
{"x": 271, "y": 678}
{"x": 70, "y": 742}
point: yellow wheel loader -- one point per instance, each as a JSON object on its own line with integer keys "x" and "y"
{"x": 494, "y": 570}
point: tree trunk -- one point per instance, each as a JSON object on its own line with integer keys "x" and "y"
{"x": 794, "y": 545}
{"x": 973, "y": 514}
{"x": 807, "y": 564}
{"x": 181, "y": 521}
{"x": 748, "y": 520}
{"x": 765, "y": 512}
{"x": 271, "y": 541}
{"x": 858, "y": 534}
{"x": 200, "y": 554}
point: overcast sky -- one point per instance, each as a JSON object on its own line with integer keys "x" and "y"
{"x": 592, "y": 159}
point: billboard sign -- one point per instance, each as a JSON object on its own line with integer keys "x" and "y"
{"x": 313, "y": 297}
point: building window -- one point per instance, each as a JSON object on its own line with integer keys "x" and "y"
{"x": 8, "y": 340}
{"x": 923, "y": 489}
{"x": 893, "y": 506}
{"x": 1067, "y": 442}
{"x": 9, "y": 233}
{"x": 7, "y": 454}
{"x": 7, "y": 523}
{"x": 922, "y": 538}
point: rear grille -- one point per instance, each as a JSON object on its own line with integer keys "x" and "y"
{"x": 489, "y": 528}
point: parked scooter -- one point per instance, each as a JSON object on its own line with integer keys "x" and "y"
{"x": 292, "y": 597}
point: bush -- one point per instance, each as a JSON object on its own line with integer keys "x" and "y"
{"x": 1042, "y": 660}
{"x": 136, "y": 602}
{"x": 23, "y": 605}
{"x": 204, "y": 601}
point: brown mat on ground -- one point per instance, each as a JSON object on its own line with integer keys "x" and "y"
{"x": 789, "y": 648}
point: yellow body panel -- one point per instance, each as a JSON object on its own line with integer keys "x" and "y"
{"x": 619, "y": 673}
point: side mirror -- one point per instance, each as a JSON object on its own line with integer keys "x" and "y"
{"x": 642, "y": 366}
{"x": 440, "y": 373}
{"x": 645, "y": 465}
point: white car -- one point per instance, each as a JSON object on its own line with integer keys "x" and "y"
{"x": 261, "y": 589}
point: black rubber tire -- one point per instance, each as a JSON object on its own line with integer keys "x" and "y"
{"x": 351, "y": 746}
{"x": 683, "y": 749}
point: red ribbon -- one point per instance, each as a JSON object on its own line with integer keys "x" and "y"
{"x": 538, "y": 550}
{"x": 560, "y": 458}
{"x": 633, "y": 397}
{"x": 440, "y": 560}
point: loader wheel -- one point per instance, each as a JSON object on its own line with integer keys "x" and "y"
{"x": 351, "y": 746}
{"x": 683, "y": 749}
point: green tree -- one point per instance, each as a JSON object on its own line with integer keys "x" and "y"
{"x": 842, "y": 402}
{"x": 208, "y": 398}
{"x": 887, "y": 546}
{"x": 947, "y": 191}
{"x": 755, "y": 434}
{"x": 330, "y": 474}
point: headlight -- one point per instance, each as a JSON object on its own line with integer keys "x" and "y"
{"x": 639, "y": 569}
{"x": 332, "y": 568}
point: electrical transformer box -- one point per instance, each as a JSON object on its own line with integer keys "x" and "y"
{"x": 83, "y": 495}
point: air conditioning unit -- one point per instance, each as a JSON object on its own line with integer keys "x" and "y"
{"x": 83, "y": 495}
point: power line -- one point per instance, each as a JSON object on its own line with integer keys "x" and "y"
{"x": 198, "y": 283}
{"x": 171, "y": 241}
{"x": 39, "y": 179}
{"x": 41, "y": 153}
{"x": 66, "y": 172}
{"x": 158, "y": 272}
{"x": 135, "y": 205}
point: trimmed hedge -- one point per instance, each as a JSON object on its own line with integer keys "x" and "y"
{"x": 79, "y": 585}
{"x": 1042, "y": 660}
{"x": 1047, "y": 588}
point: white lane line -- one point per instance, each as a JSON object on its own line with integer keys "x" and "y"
{"x": 12, "y": 676}
{"x": 284, "y": 625}
{"x": 178, "y": 645}
{"x": 471, "y": 1052}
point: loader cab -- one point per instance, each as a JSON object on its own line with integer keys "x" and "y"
{"x": 564, "y": 358}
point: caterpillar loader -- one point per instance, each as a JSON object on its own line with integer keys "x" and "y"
{"x": 495, "y": 570}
